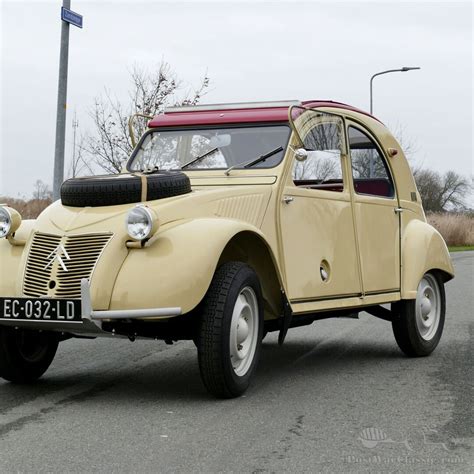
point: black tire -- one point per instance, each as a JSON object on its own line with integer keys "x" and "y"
{"x": 214, "y": 352}
{"x": 405, "y": 327}
{"x": 25, "y": 355}
{"x": 122, "y": 189}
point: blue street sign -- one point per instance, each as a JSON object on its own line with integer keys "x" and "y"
{"x": 71, "y": 17}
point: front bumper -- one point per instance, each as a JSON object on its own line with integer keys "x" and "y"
{"x": 91, "y": 321}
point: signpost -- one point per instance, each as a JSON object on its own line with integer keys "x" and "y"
{"x": 71, "y": 17}
{"x": 67, "y": 17}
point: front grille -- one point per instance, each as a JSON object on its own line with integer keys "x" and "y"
{"x": 36, "y": 278}
{"x": 44, "y": 275}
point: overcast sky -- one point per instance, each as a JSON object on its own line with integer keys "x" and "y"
{"x": 251, "y": 51}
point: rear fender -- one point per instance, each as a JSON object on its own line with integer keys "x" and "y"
{"x": 423, "y": 249}
{"x": 177, "y": 268}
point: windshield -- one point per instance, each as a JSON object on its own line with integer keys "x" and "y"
{"x": 207, "y": 148}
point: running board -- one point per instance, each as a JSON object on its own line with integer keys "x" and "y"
{"x": 294, "y": 320}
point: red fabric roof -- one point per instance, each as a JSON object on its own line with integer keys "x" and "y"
{"x": 251, "y": 115}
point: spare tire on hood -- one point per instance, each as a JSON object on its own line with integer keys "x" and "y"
{"x": 115, "y": 189}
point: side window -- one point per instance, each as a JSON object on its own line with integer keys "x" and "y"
{"x": 369, "y": 169}
{"x": 322, "y": 168}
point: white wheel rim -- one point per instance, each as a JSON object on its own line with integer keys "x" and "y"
{"x": 428, "y": 307}
{"x": 244, "y": 331}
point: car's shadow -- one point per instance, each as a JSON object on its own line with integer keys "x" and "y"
{"x": 178, "y": 378}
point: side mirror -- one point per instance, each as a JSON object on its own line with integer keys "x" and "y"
{"x": 301, "y": 154}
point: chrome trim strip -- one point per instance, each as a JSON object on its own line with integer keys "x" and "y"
{"x": 325, "y": 298}
{"x": 135, "y": 313}
{"x": 232, "y": 106}
{"x": 383, "y": 292}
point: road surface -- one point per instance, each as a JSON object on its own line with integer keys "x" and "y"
{"x": 338, "y": 396}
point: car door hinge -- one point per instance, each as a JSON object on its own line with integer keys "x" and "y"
{"x": 398, "y": 210}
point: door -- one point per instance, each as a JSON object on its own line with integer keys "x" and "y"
{"x": 376, "y": 213}
{"x": 316, "y": 218}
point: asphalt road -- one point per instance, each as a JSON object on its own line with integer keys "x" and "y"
{"x": 337, "y": 397}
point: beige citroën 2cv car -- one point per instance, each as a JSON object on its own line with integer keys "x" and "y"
{"x": 228, "y": 222}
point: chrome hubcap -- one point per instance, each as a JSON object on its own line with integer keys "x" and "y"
{"x": 244, "y": 331}
{"x": 428, "y": 307}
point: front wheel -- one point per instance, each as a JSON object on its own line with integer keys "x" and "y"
{"x": 231, "y": 330}
{"x": 419, "y": 324}
{"x": 25, "y": 355}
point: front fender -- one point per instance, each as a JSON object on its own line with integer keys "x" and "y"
{"x": 11, "y": 260}
{"x": 177, "y": 269}
{"x": 423, "y": 249}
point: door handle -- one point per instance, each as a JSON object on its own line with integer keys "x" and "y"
{"x": 398, "y": 210}
{"x": 288, "y": 199}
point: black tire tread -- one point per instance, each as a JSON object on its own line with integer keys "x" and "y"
{"x": 211, "y": 339}
{"x": 210, "y": 361}
{"x": 405, "y": 330}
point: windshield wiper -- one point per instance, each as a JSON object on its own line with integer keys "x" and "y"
{"x": 254, "y": 162}
{"x": 199, "y": 158}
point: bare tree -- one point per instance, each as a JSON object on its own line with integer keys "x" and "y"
{"x": 366, "y": 163}
{"x": 442, "y": 192}
{"x": 150, "y": 93}
{"x": 79, "y": 164}
{"x": 42, "y": 197}
{"x": 316, "y": 168}
{"x": 323, "y": 143}
{"x": 409, "y": 145}
{"x": 41, "y": 191}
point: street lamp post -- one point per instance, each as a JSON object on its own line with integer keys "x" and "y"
{"x": 403, "y": 69}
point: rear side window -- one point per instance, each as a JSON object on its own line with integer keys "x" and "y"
{"x": 369, "y": 169}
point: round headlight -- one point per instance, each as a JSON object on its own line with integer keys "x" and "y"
{"x": 10, "y": 221}
{"x": 141, "y": 223}
{"x": 5, "y": 222}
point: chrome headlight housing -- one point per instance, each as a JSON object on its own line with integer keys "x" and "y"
{"x": 141, "y": 223}
{"x": 10, "y": 220}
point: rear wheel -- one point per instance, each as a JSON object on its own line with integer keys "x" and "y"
{"x": 25, "y": 355}
{"x": 231, "y": 330}
{"x": 420, "y": 322}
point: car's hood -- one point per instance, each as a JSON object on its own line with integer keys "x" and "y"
{"x": 247, "y": 203}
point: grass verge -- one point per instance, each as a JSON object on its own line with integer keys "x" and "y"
{"x": 461, "y": 248}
